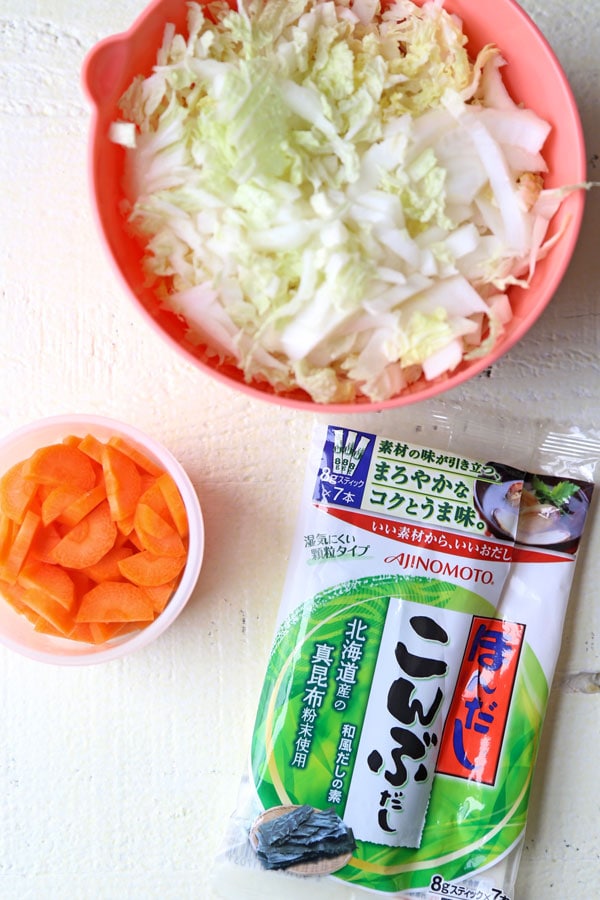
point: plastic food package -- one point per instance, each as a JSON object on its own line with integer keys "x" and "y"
{"x": 415, "y": 647}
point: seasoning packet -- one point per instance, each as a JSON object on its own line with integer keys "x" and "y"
{"x": 415, "y": 647}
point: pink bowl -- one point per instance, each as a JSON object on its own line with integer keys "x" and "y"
{"x": 533, "y": 76}
{"x": 16, "y": 632}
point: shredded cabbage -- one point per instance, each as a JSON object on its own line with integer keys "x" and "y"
{"x": 335, "y": 197}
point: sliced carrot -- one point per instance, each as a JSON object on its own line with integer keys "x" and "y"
{"x": 82, "y": 582}
{"x": 54, "y": 581}
{"x": 49, "y": 609}
{"x": 155, "y": 534}
{"x": 121, "y": 539}
{"x": 30, "y": 614}
{"x": 140, "y": 459}
{"x": 160, "y": 594}
{"x": 106, "y": 631}
{"x": 126, "y": 526}
{"x": 154, "y": 497}
{"x": 80, "y": 631}
{"x": 13, "y": 594}
{"x": 61, "y": 464}
{"x": 107, "y": 568}
{"x": 82, "y": 505}
{"x": 147, "y": 480}
{"x": 56, "y": 501}
{"x": 42, "y": 626}
{"x": 93, "y": 537}
{"x": 88, "y": 541}
{"x": 8, "y": 528}
{"x": 115, "y": 601}
{"x": 134, "y": 541}
{"x": 92, "y": 447}
{"x": 148, "y": 570}
{"x": 101, "y": 632}
{"x": 128, "y": 627}
{"x": 42, "y": 491}
{"x": 44, "y": 543}
{"x": 123, "y": 483}
{"x": 175, "y": 503}
{"x": 16, "y": 493}
{"x": 20, "y": 546}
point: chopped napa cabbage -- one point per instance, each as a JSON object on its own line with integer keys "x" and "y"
{"x": 332, "y": 195}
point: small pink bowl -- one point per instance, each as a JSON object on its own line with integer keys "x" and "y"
{"x": 16, "y": 632}
{"x": 533, "y": 76}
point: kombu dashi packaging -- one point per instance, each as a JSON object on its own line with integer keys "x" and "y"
{"x": 416, "y": 643}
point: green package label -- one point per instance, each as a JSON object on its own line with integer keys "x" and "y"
{"x": 310, "y": 744}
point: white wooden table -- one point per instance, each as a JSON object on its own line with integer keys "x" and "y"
{"x": 116, "y": 781}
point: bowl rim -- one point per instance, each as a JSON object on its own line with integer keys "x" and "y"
{"x": 188, "y": 579}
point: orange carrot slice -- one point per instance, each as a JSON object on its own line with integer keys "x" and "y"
{"x": 174, "y": 502}
{"x": 82, "y": 505}
{"x": 155, "y": 534}
{"x": 154, "y": 497}
{"x": 42, "y": 491}
{"x": 83, "y": 583}
{"x": 107, "y": 568}
{"x": 16, "y": 493}
{"x": 52, "y": 580}
{"x": 123, "y": 483}
{"x": 44, "y": 543}
{"x": 147, "y": 480}
{"x": 105, "y": 631}
{"x": 126, "y": 526}
{"x": 92, "y": 447}
{"x": 148, "y": 570}
{"x": 42, "y": 626}
{"x": 80, "y": 631}
{"x": 115, "y": 601}
{"x": 140, "y": 459}
{"x": 88, "y": 541}
{"x": 8, "y": 528}
{"x": 134, "y": 541}
{"x": 127, "y": 627}
{"x": 20, "y": 546}
{"x": 160, "y": 594}
{"x": 56, "y": 501}
{"x": 49, "y": 609}
{"x": 61, "y": 464}
{"x": 13, "y": 594}
{"x": 101, "y": 632}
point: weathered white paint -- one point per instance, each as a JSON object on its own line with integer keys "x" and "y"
{"x": 116, "y": 781}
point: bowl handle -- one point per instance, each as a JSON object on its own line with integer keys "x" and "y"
{"x": 102, "y": 68}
